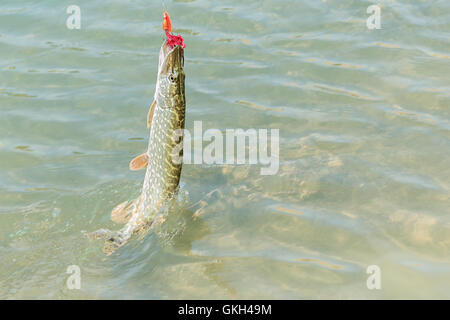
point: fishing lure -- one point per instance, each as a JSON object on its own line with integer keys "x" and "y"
{"x": 172, "y": 40}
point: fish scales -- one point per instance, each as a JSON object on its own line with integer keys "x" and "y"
{"x": 166, "y": 120}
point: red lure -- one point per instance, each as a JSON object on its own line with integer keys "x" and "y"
{"x": 172, "y": 40}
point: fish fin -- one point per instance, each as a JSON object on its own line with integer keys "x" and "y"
{"x": 113, "y": 239}
{"x": 114, "y": 242}
{"x": 151, "y": 111}
{"x": 122, "y": 213}
{"x": 144, "y": 229}
{"x": 99, "y": 234}
{"x": 140, "y": 162}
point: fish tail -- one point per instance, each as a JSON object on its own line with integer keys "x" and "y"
{"x": 99, "y": 234}
{"x": 113, "y": 239}
{"x": 114, "y": 242}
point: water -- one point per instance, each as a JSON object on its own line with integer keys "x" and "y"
{"x": 364, "y": 149}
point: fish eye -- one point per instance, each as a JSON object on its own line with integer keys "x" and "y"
{"x": 172, "y": 78}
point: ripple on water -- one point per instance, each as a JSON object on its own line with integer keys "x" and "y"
{"x": 362, "y": 180}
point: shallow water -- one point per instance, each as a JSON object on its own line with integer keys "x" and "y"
{"x": 364, "y": 149}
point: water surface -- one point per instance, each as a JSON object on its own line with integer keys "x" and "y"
{"x": 364, "y": 149}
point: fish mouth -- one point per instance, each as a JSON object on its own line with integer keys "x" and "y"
{"x": 171, "y": 58}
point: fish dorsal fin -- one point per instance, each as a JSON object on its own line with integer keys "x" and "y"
{"x": 140, "y": 162}
{"x": 151, "y": 111}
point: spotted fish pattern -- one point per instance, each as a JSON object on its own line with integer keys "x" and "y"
{"x": 163, "y": 156}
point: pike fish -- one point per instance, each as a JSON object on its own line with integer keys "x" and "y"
{"x": 162, "y": 159}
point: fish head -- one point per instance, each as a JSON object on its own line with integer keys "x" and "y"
{"x": 170, "y": 72}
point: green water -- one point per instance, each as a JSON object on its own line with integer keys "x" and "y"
{"x": 364, "y": 149}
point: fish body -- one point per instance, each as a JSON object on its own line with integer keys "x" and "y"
{"x": 163, "y": 157}
{"x": 163, "y": 173}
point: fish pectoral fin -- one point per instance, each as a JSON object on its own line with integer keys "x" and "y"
{"x": 140, "y": 162}
{"x": 122, "y": 213}
{"x": 151, "y": 111}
